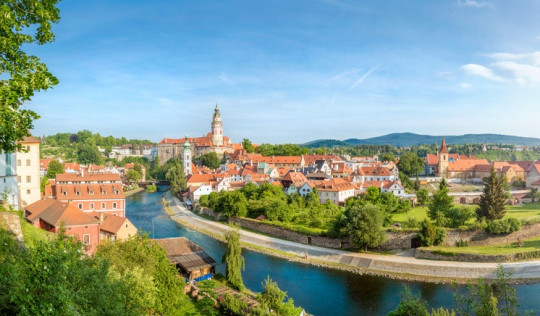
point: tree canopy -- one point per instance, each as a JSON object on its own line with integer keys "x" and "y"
{"x": 55, "y": 167}
{"x": 234, "y": 260}
{"x": 492, "y": 204}
{"x": 23, "y": 22}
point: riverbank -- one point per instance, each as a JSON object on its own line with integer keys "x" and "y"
{"x": 402, "y": 266}
{"x": 130, "y": 192}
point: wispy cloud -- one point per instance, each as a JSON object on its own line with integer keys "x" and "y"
{"x": 464, "y": 85}
{"x": 473, "y": 4}
{"x": 481, "y": 71}
{"x": 361, "y": 79}
{"x": 346, "y": 73}
{"x": 509, "y": 67}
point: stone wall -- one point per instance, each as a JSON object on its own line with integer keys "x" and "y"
{"x": 481, "y": 238}
{"x": 288, "y": 234}
{"x": 422, "y": 253}
{"x": 206, "y": 211}
{"x": 398, "y": 240}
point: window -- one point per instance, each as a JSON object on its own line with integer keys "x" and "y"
{"x": 8, "y": 164}
{"x": 18, "y": 162}
{"x": 64, "y": 193}
{"x": 85, "y": 227}
{"x": 18, "y": 178}
{"x": 28, "y": 162}
{"x": 28, "y": 148}
{"x": 103, "y": 205}
{"x": 86, "y": 239}
{"x": 91, "y": 206}
{"x": 114, "y": 205}
{"x": 28, "y": 191}
{"x": 28, "y": 179}
{"x": 78, "y": 193}
{"x": 80, "y": 206}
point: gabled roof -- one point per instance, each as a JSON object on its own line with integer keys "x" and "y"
{"x": 54, "y": 212}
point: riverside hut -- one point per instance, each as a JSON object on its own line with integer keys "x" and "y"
{"x": 189, "y": 258}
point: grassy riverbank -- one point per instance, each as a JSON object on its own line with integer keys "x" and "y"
{"x": 530, "y": 245}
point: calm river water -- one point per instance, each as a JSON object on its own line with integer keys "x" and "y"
{"x": 320, "y": 291}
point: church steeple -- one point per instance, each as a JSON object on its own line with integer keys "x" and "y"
{"x": 186, "y": 157}
{"x": 443, "y": 160}
{"x": 443, "y": 147}
{"x": 217, "y": 128}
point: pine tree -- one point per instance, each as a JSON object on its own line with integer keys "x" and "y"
{"x": 441, "y": 203}
{"x": 492, "y": 204}
{"x": 234, "y": 260}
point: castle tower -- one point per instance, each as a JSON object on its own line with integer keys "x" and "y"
{"x": 217, "y": 128}
{"x": 186, "y": 157}
{"x": 443, "y": 160}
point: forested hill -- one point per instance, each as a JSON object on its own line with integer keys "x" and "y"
{"x": 411, "y": 139}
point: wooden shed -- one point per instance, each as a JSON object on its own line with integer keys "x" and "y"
{"x": 190, "y": 259}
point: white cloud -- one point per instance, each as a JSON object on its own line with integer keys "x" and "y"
{"x": 346, "y": 73}
{"x": 473, "y": 4}
{"x": 522, "y": 73}
{"x": 481, "y": 71}
{"x": 531, "y": 58}
{"x": 361, "y": 79}
{"x": 464, "y": 85}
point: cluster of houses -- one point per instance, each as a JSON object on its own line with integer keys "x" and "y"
{"x": 335, "y": 178}
{"x": 470, "y": 168}
{"x": 88, "y": 201}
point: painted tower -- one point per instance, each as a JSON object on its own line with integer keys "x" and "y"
{"x": 217, "y": 128}
{"x": 443, "y": 160}
{"x": 186, "y": 157}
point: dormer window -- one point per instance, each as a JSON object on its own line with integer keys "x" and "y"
{"x": 104, "y": 192}
{"x": 78, "y": 193}
{"x": 64, "y": 193}
{"x": 91, "y": 192}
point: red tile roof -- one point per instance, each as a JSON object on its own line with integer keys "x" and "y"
{"x": 55, "y": 212}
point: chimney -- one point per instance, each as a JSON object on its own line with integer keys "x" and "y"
{"x": 101, "y": 217}
{"x": 82, "y": 173}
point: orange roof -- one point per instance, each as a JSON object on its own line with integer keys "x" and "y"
{"x": 443, "y": 147}
{"x": 55, "y": 212}
{"x": 341, "y": 168}
{"x": 375, "y": 171}
{"x": 66, "y": 177}
{"x": 80, "y": 191}
{"x": 29, "y": 140}
{"x": 72, "y": 166}
{"x": 466, "y": 164}
{"x": 44, "y": 163}
{"x": 335, "y": 184}
{"x": 295, "y": 177}
{"x": 310, "y": 159}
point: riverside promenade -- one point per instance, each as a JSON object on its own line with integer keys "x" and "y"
{"x": 400, "y": 266}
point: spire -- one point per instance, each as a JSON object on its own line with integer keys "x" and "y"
{"x": 443, "y": 147}
{"x": 186, "y": 143}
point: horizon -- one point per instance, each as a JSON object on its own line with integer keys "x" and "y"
{"x": 328, "y": 70}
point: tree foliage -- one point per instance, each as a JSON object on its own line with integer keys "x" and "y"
{"x": 175, "y": 175}
{"x": 440, "y": 204}
{"x": 234, "y": 260}
{"x": 492, "y": 204}
{"x": 133, "y": 175}
{"x": 364, "y": 226}
{"x": 248, "y": 146}
{"x": 274, "y": 299}
{"x": 422, "y": 196}
{"x": 209, "y": 160}
{"x": 23, "y": 22}
{"x": 55, "y": 167}
{"x": 411, "y": 164}
{"x": 431, "y": 235}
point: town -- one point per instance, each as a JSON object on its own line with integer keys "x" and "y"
{"x": 257, "y": 158}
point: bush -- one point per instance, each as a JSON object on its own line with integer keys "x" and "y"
{"x": 151, "y": 188}
{"x": 462, "y": 243}
{"x": 457, "y": 216}
{"x": 412, "y": 223}
{"x": 431, "y": 235}
{"x": 231, "y": 305}
{"x": 504, "y": 226}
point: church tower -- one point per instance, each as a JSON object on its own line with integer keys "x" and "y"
{"x": 217, "y": 128}
{"x": 443, "y": 160}
{"x": 186, "y": 157}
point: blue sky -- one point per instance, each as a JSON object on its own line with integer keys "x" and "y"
{"x": 293, "y": 71}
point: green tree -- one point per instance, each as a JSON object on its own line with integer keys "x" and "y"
{"x": 410, "y": 305}
{"x": 176, "y": 177}
{"x": 364, "y": 226}
{"x": 233, "y": 204}
{"x": 209, "y": 160}
{"x": 431, "y": 235}
{"x": 43, "y": 183}
{"x": 248, "y": 146}
{"x": 89, "y": 154}
{"x": 388, "y": 157}
{"x": 273, "y": 298}
{"x": 234, "y": 260}
{"x": 55, "y": 167}
{"x": 492, "y": 204}
{"x": 440, "y": 204}
{"x": 23, "y": 22}
{"x": 133, "y": 175}
{"x": 411, "y": 164}
{"x": 423, "y": 196}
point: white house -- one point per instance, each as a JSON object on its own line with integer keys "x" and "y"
{"x": 195, "y": 192}
{"x": 8, "y": 180}
{"x": 336, "y": 190}
{"x": 393, "y": 187}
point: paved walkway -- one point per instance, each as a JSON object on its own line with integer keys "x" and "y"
{"x": 402, "y": 265}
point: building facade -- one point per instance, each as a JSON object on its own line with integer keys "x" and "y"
{"x": 28, "y": 171}
{"x": 9, "y": 191}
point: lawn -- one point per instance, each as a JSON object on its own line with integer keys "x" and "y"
{"x": 33, "y": 234}
{"x": 526, "y": 211}
{"x": 418, "y": 212}
{"x": 528, "y": 245}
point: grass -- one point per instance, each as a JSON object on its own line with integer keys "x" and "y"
{"x": 526, "y": 211}
{"x": 529, "y": 211}
{"x": 32, "y": 234}
{"x": 505, "y": 249}
{"x": 300, "y": 228}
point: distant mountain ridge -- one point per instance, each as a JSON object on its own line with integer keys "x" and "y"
{"x": 411, "y": 139}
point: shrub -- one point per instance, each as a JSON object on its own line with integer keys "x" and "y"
{"x": 431, "y": 235}
{"x": 412, "y": 223}
{"x": 504, "y": 226}
{"x": 457, "y": 216}
{"x": 462, "y": 243}
{"x": 232, "y": 305}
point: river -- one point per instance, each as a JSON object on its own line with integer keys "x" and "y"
{"x": 320, "y": 291}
